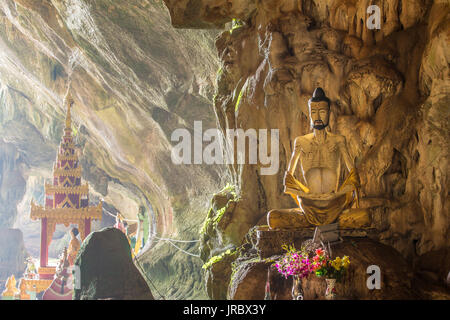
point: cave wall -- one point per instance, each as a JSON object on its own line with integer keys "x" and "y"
{"x": 134, "y": 79}
{"x": 389, "y": 92}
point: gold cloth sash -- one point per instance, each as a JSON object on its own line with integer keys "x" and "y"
{"x": 328, "y": 214}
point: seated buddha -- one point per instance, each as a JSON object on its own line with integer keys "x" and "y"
{"x": 330, "y": 183}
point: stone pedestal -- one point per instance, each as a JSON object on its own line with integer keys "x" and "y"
{"x": 270, "y": 242}
{"x": 397, "y": 279}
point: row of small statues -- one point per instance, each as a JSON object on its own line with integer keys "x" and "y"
{"x": 27, "y": 291}
{"x": 322, "y": 195}
{"x": 24, "y": 292}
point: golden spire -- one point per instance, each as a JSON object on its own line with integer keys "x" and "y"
{"x": 69, "y": 102}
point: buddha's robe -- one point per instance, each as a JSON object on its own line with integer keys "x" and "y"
{"x": 315, "y": 213}
{"x": 72, "y": 251}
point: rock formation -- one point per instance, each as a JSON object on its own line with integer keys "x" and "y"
{"x": 12, "y": 255}
{"x": 389, "y": 91}
{"x": 107, "y": 271}
{"x": 134, "y": 79}
{"x": 398, "y": 281}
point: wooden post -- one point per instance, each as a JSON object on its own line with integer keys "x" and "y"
{"x": 87, "y": 227}
{"x": 44, "y": 244}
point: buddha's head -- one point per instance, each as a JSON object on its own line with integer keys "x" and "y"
{"x": 319, "y": 109}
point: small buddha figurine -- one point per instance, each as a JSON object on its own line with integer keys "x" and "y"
{"x": 24, "y": 290}
{"x": 323, "y": 196}
{"x": 30, "y": 272}
{"x": 120, "y": 223}
{"x": 74, "y": 246}
{"x": 10, "y": 291}
{"x": 63, "y": 262}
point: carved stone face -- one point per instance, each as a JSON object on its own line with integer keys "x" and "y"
{"x": 319, "y": 114}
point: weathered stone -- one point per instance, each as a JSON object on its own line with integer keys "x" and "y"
{"x": 435, "y": 265}
{"x": 107, "y": 270}
{"x": 12, "y": 255}
{"x": 217, "y": 278}
{"x": 270, "y": 242}
{"x": 248, "y": 281}
{"x": 397, "y": 277}
{"x": 389, "y": 91}
{"x": 388, "y": 87}
{"x": 134, "y": 79}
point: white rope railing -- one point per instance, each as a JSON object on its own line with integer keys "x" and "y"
{"x": 115, "y": 215}
{"x": 170, "y": 241}
{"x": 184, "y": 251}
{"x": 184, "y": 241}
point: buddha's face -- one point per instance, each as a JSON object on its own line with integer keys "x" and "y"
{"x": 319, "y": 114}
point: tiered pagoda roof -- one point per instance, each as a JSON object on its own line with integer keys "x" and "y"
{"x": 66, "y": 198}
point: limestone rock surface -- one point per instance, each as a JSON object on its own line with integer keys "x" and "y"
{"x": 107, "y": 271}
{"x": 12, "y": 255}
{"x": 134, "y": 79}
{"x": 389, "y": 91}
{"x": 398, "y": 279}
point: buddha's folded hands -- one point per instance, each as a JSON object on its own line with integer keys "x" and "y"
{"x": 320, "y": 196}
{"x": 324, "y": 196}
{"x": 291, "y": 183}
{"x": 295, "y": 187}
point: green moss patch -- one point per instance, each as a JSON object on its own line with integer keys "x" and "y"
{"x": 236, "y": 24}
{"x": 219, "y": 258}
{"x": 215, "y": 214}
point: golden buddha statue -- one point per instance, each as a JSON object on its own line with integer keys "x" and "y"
{"x": 10, "y": 291}
{"x": 323, "y": 197}
{"x": 24, "y": 288}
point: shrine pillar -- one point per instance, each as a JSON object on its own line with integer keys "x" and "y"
{"x": 87, "y": 228}
{"x": 44, "y": 244}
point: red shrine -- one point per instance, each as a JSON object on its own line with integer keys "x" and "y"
{"x": 66, "y": 200}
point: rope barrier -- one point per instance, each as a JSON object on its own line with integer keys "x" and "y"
{"x": 162, "y": 239}
{"x": 186, "y": 252}
{"x": 170, "y": 241}
{"x": 173, "y": 240}
{"x": 115, "y": 215}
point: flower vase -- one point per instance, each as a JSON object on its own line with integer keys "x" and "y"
{"x": 330, "y": 294}
{"x": 297, "y": 291}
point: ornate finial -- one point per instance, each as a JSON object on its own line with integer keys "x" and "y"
{"x": 69, "y": 102}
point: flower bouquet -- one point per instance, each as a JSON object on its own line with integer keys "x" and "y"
{"x": 295, "y": 263}
{"x": 332, "y": 270}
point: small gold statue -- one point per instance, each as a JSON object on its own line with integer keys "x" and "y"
{"x": 74, "y": 246}
{"x": 321, "y": 197}
{"x": 30, "y": 272}
{"x": 23, "y": 286}
{"x": 11, "y": 291}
